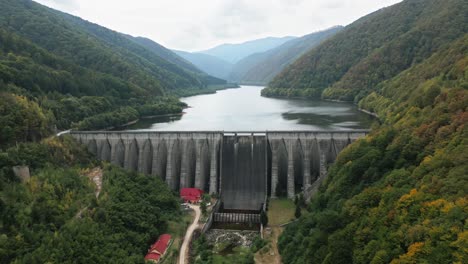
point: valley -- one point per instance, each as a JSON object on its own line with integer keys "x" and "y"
{"x": 234, "y": 132}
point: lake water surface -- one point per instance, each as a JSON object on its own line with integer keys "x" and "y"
{"x": 243, "y": 109}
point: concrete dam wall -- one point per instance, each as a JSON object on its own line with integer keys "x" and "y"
{"x": 243, "y": 167}
{"x": 244, "y": 173}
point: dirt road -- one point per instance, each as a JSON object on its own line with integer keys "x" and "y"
{"x": 188, "y": 235}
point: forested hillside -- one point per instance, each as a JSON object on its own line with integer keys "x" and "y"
{"x": 165, "y": 53}
{"x": 260, "y": 68}
{"x": 55, "y": 217}
{"x": 95, "y": 47}
{"x": 59, "y": 71}
{"x": 400, "y": 194}
{"x": 373, "y": 49}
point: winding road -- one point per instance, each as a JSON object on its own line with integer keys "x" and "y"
{"x": 188, "y": 235}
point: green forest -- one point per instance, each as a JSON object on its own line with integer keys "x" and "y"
{"x": 373, "y": 49}
{"x": 400, "y": 194}
{"x": 59, "y": 72}
{"x": 55, "y": 216}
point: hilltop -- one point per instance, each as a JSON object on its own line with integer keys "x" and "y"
{"x": 373, "y": 49}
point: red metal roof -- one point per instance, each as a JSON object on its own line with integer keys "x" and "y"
{"x": 191, "y": 194}
{"x": 159, "y": 247}
{"x": 152, "y": 256}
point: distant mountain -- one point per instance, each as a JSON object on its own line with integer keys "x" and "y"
{"x": 373, "y": 49}
{"x": 165, "y": 53}
{"x": 260, "y": 68}
{"x": 210, "y": 64}
{"x": 174, "y": 57}
{"x": 235, "y": 52}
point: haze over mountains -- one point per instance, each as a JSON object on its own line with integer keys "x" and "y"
{"x": 208, "y": 63}
{"x": 220, "y": 60}
{"x": 232, "y": 53}
{"x": 256, "y": 61}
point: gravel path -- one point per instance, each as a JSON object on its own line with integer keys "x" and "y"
{"x": 188, "y": 235}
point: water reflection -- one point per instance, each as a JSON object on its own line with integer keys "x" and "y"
{"x": 245, "y": 109}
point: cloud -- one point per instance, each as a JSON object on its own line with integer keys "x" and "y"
{"x": 197, "y": 25}
{"x": 64, "y": 5}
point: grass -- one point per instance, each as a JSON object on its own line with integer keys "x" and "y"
{"x": 280, "y": 211}
{"x": 269, "y": 254}
{"x": 232, "y": 258}
{"x": 177, "y": 228}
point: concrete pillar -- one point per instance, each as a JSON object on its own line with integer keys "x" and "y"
{"x": 155, "y": 164}
{"x": 141, "y": 159}
{"x": 169, "y": 176}
{"x": 323, "y": 165}
{"x": 105, "y": 153}
{"x": 290, "y": 183}
{"x": 214, "y": 168}
{"x": 116, "y": 151}
{"x": 332, "y": 150}
{"x": 306, "y": 164}
{"x": 127, "y": 154}
{"x": 274, "y": 170}
{"x": 324, "y": 149}
{"x": 185, "y": 164}
{"x": 199, "y": 179}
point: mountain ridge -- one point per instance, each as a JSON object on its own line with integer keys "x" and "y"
{"x": 232, "y": 53}
{"x": 260, "y": 68}
{"x": 410, "y": 27}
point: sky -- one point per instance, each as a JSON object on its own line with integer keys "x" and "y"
{"x": 194, "y": 25}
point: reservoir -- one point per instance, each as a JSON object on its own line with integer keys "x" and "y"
{"x": 244, "y": 109}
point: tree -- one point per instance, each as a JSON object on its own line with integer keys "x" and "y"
{"x": 203, "y": 207}
{"x": 298, "y": 212}
{"x": 206, "y": 198}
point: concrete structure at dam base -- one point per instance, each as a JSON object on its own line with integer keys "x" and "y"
{"x": 243, "y": 167}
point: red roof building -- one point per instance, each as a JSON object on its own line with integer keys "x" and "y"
{"x": 158, "y": 249}
{"x": 191, "y": 195}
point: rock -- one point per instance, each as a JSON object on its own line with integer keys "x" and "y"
{"x": 22, "y": 172}
{"x": 238, "y": 238}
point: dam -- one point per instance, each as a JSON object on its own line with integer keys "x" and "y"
{"x": 242, "y": 167}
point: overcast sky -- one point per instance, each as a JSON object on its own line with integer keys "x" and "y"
{"x": 201, "y": 24}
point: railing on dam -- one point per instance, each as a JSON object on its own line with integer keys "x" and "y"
{"x": 293, "y": 159}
